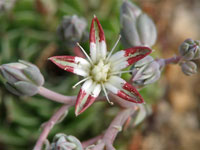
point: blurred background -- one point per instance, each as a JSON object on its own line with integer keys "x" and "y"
{"x": 29, "y": 31}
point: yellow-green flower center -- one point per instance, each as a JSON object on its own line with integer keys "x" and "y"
{"x": 100, "y": 71}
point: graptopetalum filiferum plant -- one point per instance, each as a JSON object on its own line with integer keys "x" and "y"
{"x": 101, "y": 71}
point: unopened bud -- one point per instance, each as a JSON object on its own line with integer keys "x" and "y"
{"x": 137, "y": 28}
{"x": 22, "y": 78}
{"x": 190, "y": 49}
{"x": 130, "y": 9}
{"x": 145, "y": 71}
{"x": 64, "y": 142}
{"x": 73, "y": 30}
{"x": 189, "y": 68}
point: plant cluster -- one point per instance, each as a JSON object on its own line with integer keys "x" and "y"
{"x": 119, "y": 75}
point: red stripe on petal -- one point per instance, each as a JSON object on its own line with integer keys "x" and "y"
{"x": 72, "y": 64}
{"x": 136, "y": 49}
{"x": 125, "y": 96}
{"x": 133, "y": 91}
{"x": 80, "y": 96}
{"x": 136, "y": 53}
{"x": 92, "y": 32}
{"x": 90, "y": 100}
{"x": 101, "y": 32}
{"x": 70, "y": 59}
{"x": 64, "y": 58}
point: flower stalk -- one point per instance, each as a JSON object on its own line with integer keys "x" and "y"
{"x": 49, "y": 125}
{"x": 49, "y": 94}
{"x": 172, "y": 60}
{"x": 114, "y": 128}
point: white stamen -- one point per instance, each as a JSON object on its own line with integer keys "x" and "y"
{"x": 119, "y": 72}
{"x": 113, "y": 47}
{"x": 84, "y": 52}
{"x": 106, "y": 94}
{"x": 80, "y": 82}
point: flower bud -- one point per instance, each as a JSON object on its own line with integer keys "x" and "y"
{"x": 137, "y": 28}
{"x": 72, "y": 30}
{"x": 65, "y": 142}
{"x": 190, "y": 49}
{"x": 130, "y": 9}
{"x": 189, "y": 68}
{"x": 145, "y": 71}
{"x": 22, "y": 78}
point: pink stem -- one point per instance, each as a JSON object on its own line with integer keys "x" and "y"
{"x": 109, "y": 135}
{"x": 116, "y": 124}
{"x": 114, "y": 129}
{"x": 172, "y": 60}
{"x": 49, "y": 125}
{"x": 56, "y": 96}
{"x": 91, "y": 141}
{"x": 61, "y": 98}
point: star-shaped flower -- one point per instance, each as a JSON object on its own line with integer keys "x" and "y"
{"x": 101, "y": 70}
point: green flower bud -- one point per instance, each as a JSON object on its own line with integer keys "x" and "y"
{"x": 189, "y": 68}
{"x": 64, "y": 142}
{"x": 190, "y": 49}
{"x": 145, "y": 71}
{"x": 137, "y": 28}
{"x": 22, "y": 78}
{"x": 72, "y": 30}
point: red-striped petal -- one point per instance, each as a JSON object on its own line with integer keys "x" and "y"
{"x": 136, "y": 53}
{"x": 131, "y": 89}
{"x": 101, "y": 33}
{"x": 124, "y": 58}
{"x": 123, "y": 89}
{"x": 97, "y": 42}
{"x": 72, "y": 64}
{"x": 87, "y": 95}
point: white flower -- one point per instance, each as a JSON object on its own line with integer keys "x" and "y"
{"x": 101, "y": 71}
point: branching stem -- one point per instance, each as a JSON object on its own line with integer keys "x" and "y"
{"x": 49, "y": 125}
{"x": 114, "y": 128}
{"x": 107, "y": 138}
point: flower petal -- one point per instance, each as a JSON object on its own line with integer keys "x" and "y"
{"x": 124, "y": 58}
{"x": 72, "y": 64}
{"x": 97, "y": 41}
{"x": 123, "y": 89}
{"x": 87, "y": 95}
